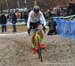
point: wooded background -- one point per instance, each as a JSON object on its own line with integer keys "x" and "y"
{"x": 42, "y": 3}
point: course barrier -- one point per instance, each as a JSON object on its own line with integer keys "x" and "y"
{"x": 65, "y": 28}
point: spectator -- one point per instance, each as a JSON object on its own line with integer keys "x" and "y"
{"x": 3, "y": 21}
{"x": 49, "y": 13}
{"x": 21, "y": 16}
{"x": 71, "y": 8}
{"x": 17, "y": 14}
{"x": 25, "y": 16}
{"x": 14, "y": 21}
{"x": 52, "y": 27}
{"x": 43, "y": 12}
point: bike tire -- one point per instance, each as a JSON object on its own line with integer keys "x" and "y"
{"x": 39, "y": 51}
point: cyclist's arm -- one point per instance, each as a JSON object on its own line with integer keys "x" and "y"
{"x": 42, "y": 18}
{"x": 29, "y": 19}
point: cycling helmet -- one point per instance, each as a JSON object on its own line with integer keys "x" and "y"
{"x": 36, "y": 9}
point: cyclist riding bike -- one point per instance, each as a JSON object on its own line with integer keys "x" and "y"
{"x": 36, "y": 18}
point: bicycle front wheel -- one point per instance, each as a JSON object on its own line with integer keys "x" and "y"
{"x": 39, "y": 51}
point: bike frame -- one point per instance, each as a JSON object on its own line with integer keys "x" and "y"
{"x": 39, "y": 42}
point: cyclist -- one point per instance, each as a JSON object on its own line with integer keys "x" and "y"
{"x": 36, "y": 18}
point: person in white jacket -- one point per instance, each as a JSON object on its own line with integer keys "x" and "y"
{"x": 35, "y": 18}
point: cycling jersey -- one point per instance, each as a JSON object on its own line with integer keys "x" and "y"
{"x": 34, "y": 19}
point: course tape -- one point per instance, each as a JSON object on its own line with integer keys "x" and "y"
{"x": 65, "y": 16}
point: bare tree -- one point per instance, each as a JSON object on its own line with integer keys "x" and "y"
{"x": 6, "y": 1}
{"x": 18, "y": 5}
{"x": 25, "y": 2}
{"x": 1, "y": 4}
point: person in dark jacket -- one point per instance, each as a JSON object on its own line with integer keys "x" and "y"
{"x": 14, "y": 20}
{"x": 71, "y": 8}
{"x": 52, "y": 27}
{"x": 3, "y": 21}
{"x": 25, "y": 16}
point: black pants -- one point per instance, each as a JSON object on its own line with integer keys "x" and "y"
{"x": 14, "y": 26}
{"x": 4, "y": 28}
{"x": 33, "y": 26}
{"x": 44, "y": 28}
{"x": 50, "y": 32}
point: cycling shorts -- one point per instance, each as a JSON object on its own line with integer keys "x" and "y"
{"x": 34, "y": 25}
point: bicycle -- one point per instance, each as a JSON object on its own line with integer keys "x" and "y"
{"x": 39, "y": 49}
{"x": 37, "y": 38}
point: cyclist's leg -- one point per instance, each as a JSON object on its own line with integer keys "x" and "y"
{"x": 42, "y": 40}
{"x": 33, "y": 38}
{"x": 41, "y": 36}
{"x": 33, "y": 43}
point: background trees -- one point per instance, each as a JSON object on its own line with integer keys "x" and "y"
{"x": 1, "y": 4}
{"x": 30, "y": 3}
